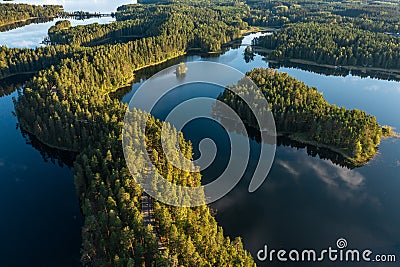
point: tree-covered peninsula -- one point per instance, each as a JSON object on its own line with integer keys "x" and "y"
{"x": 67, "y": 105}
{"x": 304, "y": 115}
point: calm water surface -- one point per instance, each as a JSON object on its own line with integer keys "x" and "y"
{"x": 32, "y": 35}
{"x": 305, "y": 202}
{"x": 41, "y": 219}
{"x": 104, "y": 6}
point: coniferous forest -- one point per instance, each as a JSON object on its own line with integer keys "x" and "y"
{"x": 338, "y": 33}
{"x": 303, "y": 114}
{"x": 334, "y": 44}
{"x": 11, "y": 13}
{"x": 68, "y": 105}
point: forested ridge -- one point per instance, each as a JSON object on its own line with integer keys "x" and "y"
{"x": 204, "y": 28}
{"x": 377, "y": 16}
{"x": 11, "y": 13}
{"x": 337, "y": 33}
{"x": 84, "y": 118}
{"x": 67, "y": 105}
{"x": 302, "y": 113}
{"x": 93, "y": 34}
{"x": 334, "y": 44}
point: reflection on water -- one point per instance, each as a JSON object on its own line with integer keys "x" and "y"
{"x": 33, "y": 35}
{"x": 41, "y": 219}
{"x": 312, "y": 196}
{"x": 19, "y": 24}
{"x": 338, "y": 71}
{"x": 104, "y": 6}
{"x": 313, "y": 151}
{"x": 55, "y": 156}
{"x": 11, "y": 84}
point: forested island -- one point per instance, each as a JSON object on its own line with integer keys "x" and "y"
{"x": 303, "y": 114}
{"x": 67, "y": 105}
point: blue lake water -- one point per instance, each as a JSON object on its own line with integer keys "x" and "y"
{"x": 104, "y": 6}
{"x": 41, "y": 219}
{"x": 305, "y": 202}
{"x": 32, "y": 35}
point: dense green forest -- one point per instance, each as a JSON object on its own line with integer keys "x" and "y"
{"x": 334, "y": 44}
{"x": 174, "y": 27}
{"x": 83, "y": 117}
{"x": 96, "y": 34}
{"x": 10, "y": 13}
{"x": 16, "y": 61}
{"x": 371, "y": 15}
{"x": 345, "y": 33}
{"x": 203, "y": 28}
{"x": 302, "y": 113}
{"x": 67, "y": 105}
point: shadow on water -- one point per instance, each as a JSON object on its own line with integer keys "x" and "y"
{"x": 337, "y": 71}
{"x": 284, "y": 140}
{"x": 20, "y": 24}
{"x": 41, "y": 218}
{"x": 55, "y": 156}
{"x": 10, "y": 84}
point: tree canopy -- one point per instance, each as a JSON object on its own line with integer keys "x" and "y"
{"x": 10, "y": 13}
{"x": 303, "y": 114}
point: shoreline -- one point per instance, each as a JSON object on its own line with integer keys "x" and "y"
{"x": 357, "y": 162}
{"x": 18, "y": 73}
{"x": 17, "y": 21}
{"x": 132, "y": 79}
{"x": 128, "y": 83}
{"x": 299, "y": 137}
{"x": 394, "y": 72}
{"x": 48, "y": 144}
{"x": 25, "y": 20}
{"x": 348, "y": 67}
{"x": 292, "y": 136}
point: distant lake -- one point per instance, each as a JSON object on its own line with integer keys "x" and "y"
{"x": 104, "y": 6}
{"x": 32, "y": 35}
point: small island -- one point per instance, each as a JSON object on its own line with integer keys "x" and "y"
{"x": 181, "y": 69}
{"x": 389, "y": 132}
